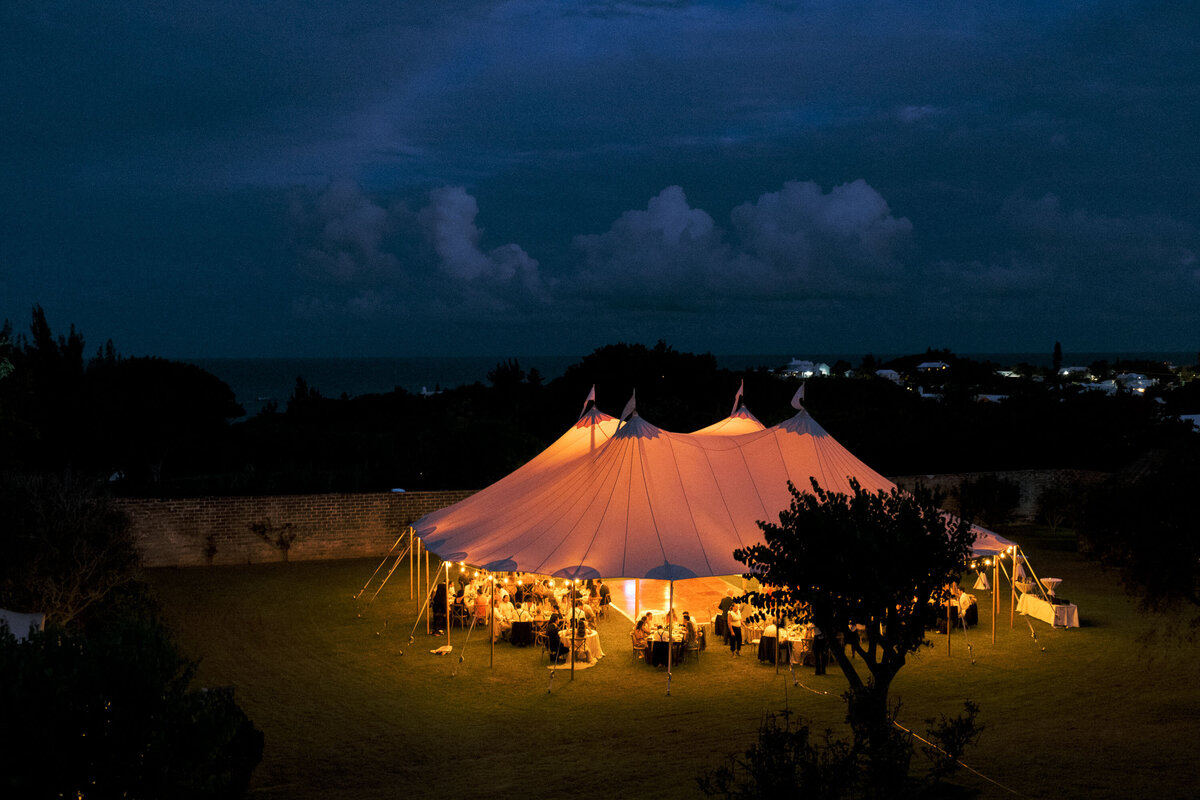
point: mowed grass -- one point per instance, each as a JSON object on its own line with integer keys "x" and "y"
{"x": 350, "y": 709}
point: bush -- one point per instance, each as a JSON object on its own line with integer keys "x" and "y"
{"x": 112, "y": 715}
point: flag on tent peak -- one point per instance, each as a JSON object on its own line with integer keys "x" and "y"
{"x": 737, "y": 399}
{"x": 630, "y": 407}
{"x": 591, "y": 400}
{"x": 798, "y": 399}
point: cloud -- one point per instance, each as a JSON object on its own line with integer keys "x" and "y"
{"x": 796, "y": 243}
{"x": 361, "y": 257}
{"x": 830, "y": 242}
{"x": 449, "y": 220}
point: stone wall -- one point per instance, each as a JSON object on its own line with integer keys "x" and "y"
{"x": 217, "y": 530}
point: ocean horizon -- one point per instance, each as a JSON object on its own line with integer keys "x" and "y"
{"x": 257, "y": 382}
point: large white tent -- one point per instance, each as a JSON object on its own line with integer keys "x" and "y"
{"x": 647, "y": 503}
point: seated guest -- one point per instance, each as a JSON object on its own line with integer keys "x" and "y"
{"x": 554, "y": 644}
{"x": 481, "y": 608}
{"x": 691, "y": 632}
{"x": 520, "y": 613}
{"x": 503, "y": 620}
{"x": 641, "y": 635}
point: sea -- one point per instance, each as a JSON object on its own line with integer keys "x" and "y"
{"x": 257, "y": 382}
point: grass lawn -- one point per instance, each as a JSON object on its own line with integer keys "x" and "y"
{"x": 1085, "y": 713}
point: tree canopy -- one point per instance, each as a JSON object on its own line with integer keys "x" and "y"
{"x": 873, "y": 560}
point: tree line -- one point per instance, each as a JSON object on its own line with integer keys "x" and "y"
{"x": 158, "y": 427}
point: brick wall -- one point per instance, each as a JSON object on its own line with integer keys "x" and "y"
{"x": 1031, "y": 481}
{"x": 182, "y": 532}
{"x": 178, "y": 533}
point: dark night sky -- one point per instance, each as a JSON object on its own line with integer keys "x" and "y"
{"x": 289, "y": 178}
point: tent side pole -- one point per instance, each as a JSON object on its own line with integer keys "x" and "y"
{"x": 1012, "y": 584}
{"x": 948, "y": 626}
{"x": 410, "y": 562}
{"x": 492, "y": 659}
{"x": 428, "y": 588}
{"x": 446, "y": 564}
{"x": 670, "y": 633}
{"x": 995, "y": 596}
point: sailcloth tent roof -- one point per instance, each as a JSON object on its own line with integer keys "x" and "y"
{"x": 647, "y": 504}
{"x": 581, "y": 440}
{"x": 740, "y": 421}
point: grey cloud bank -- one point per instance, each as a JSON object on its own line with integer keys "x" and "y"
{"x": 208, "y": 179}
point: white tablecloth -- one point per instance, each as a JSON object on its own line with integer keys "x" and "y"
{"x": 591, "y": 642}
{"x": 1060, "y": 616}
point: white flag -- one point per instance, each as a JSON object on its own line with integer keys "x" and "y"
{"x": 798, "y": 399}
{"x": 630, "y": 407}
{"x": 591, "y": 400}
{"x": 738, "y": 398}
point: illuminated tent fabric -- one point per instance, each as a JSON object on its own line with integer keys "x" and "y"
{"x": 648, "y": 504}
{"x": 580, "y": 441}
{"x": 740, "y": 421}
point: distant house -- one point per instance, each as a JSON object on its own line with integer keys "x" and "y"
{"x": 889, "y": 375}
{"x": 990, "y": 398}
{"x": 932, "y": 366}
{"x": 1135, "y": 382}
{"x": 799, "y": 368}
{"x": 1108, "y": 387}
{"x": 1075, "y": 373}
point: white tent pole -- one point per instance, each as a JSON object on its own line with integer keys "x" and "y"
{"x": 670, "y": 633}
{"x": 492, "y": 579}
{"x": 1012, "y": 584}
{"x": 574, "y": 629}
{"x": 411, "y": 553}
{"x": 637, "y": 599}
{"x": 995, "y": 595}
{"x": 446, "y": 564}
{"x": 948, "y": 626}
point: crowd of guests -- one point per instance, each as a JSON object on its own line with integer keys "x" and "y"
{"x": 499, "y": 600}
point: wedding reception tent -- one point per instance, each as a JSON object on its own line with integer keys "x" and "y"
{"x": 630, "y": 500}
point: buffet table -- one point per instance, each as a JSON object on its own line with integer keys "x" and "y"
{"x": 1065, "y": 615}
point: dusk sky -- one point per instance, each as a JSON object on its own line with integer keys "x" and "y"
{"x": 288, "y": 178}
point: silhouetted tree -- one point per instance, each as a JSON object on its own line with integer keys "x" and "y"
{"x": 881, "y": 561}
{"x": 112, "y": 714}
{"x": 67, "y": 551}
{"x": 1143, "y": 523}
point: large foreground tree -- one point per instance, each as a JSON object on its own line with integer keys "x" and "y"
{"x": 881, "y": 561}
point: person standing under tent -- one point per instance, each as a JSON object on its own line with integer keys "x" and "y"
{"x": 723, "y": 617}
{"x": 605, "y": 594}
{"x": 820, "y": 649}
{"x": 437, "y": 610}
{"x": 733, "y": 618}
